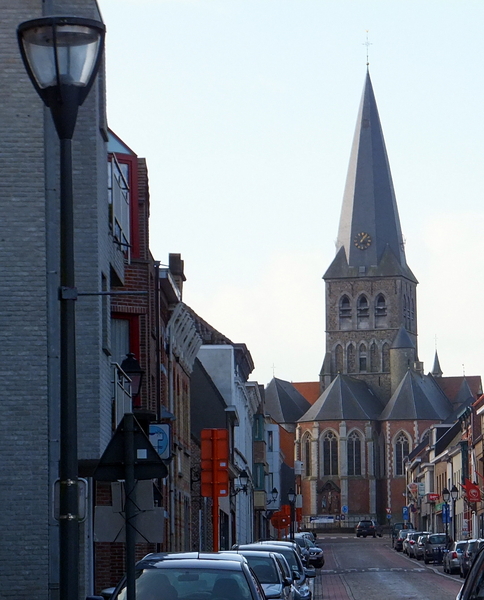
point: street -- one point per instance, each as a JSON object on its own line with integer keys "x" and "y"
{"x": 369, "y": 569}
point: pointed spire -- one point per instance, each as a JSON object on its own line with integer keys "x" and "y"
{"x": 369, "y": 220}
{"x": 436, "y": 370}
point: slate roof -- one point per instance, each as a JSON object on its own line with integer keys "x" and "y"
{"x": 451, "y": 386}
{"x": 369, "y": 204}
{"x": 345, "y": 398}
{"x": 283, "y": 402}
{"x": 417, "y": 397}
{"x": 402, "y": 339}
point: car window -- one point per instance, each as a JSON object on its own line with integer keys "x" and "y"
{"x": 264, "y": 568}
{"x": 189, "y": 584}
{"x": 438, "y": 538}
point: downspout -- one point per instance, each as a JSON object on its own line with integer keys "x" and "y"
{"x": 171, "y": 481}
{"x": 158, "y": 340}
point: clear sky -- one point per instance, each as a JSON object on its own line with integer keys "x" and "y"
{"x": 245, "y": 112}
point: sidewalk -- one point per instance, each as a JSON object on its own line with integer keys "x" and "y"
{"x": 332, "y": 587}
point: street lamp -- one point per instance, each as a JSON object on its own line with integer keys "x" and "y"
{"x": 454, "y": 493}
{"x": 446, "y": 498}
{"x": 61, "y": 56}
{"x": 243, "y": 483}
{"x": 274, "y": 495}
{"x": 134, "y": 371}
{"x": 291, "y": 497}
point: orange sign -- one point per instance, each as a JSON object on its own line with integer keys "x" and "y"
{"x": 214, "y": 453}
{"x": 280, "y": 520}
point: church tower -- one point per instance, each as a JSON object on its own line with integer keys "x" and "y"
{"x": 371, "y": 305}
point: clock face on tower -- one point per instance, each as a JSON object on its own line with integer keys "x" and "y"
{"x": 362, "y": 240}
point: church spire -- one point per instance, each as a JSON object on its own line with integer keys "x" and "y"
{"x": 369, "y": 224}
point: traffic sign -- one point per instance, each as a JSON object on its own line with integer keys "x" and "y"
{"x": 405, "y": 513}
{"x": 344, "y": 509}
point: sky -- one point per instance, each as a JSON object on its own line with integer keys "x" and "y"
{"x": 245, "y": 112}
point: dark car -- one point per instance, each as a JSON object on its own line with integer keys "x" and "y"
{"x": 291, "y": 554}
{"x": 397, "y": 527}
{"x": 313, "y": 554}
{"x": 192, "y": 576}
{"x": 365, "y": 528}
{"x": 470, "y": 550}
{"x": 473, "y": 587}
{"x": 434, "y": 547}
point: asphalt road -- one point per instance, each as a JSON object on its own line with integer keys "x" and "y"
{"x": 369, "y": 569}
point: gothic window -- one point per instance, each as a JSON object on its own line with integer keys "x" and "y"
{"x": 338, "y": 357}
{"x": 345, "y": 313}
{"x": 380, "y": 311}
{"x": 401, "y": 451}
{"x": 412, "y": 311}
{"x": 385, "y": 358}
{"x": 351, "y": 359}
{"x": 373, "y": 358}
{"x": 363, "y": 313}
{"x": 354, "y": 454}
{"x": 330, "y": 454}
{"x": 362, "y": 358}
{"x": 307, "y": 455}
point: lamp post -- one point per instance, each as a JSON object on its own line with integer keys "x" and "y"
{"x": 62, "y": 56}
{"x": 454, "y": 494}
{"x": 446, "y": 498}
{"x": 134, "y": 371}
{"x": 291, "y": 496}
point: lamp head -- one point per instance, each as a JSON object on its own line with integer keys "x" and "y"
{"x": 445, "y": 495}
{"x": 62, "y": 56}
{"x": 291, "y": 496}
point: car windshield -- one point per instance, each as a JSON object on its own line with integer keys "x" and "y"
{"x": 264, "y": 568}
{"x": 438, "y": 538}
{"x": 188, "y": 583}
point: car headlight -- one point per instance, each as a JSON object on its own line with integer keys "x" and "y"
{"x": 304, "y": 591}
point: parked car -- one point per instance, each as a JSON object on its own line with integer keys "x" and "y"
{"x": 365, "y": 528}
{"x": 473, "y": 587}
{"x": 470, "y": 550}
{"x": 402, "y": 534}
{"x": 184, "y": 575}
{"x": 434, "y": 547}
{"x": 276, "y": 581}
{"x": 406, "y": 541}
{"x": 412, "y": 539}
{"x": 314, "y": 554}
{"x": 419, "y": 546}
{"x": 452, "y": 558}
{"x": 289, "y": 550}
{"x": 397, "y": 527}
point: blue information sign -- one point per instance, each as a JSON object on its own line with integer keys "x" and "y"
{"x": 405, "y": 513}
{"x": 445, "y": 513}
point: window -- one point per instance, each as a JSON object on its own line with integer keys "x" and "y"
{"x": 119, "y": 199}
{"x": 373, "y": 358}
{"x": 351, "y": 359}
{"x": 362, "y": 358}
{"x": 330, "y": 454}
{"x": 354, "y": 454}
{"x": 380, "y": 311}
{"x": 363, "y": 313}
{"x": 401, "y": 451}
{"x": 339, "y": 362}
{"x": 345, "y": 313}
{"x": 307, "y": 456}
{"x": 385, "y": 358}
{"x": 270, "y": 441}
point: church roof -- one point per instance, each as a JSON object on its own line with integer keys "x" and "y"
{"x": 402, "y": 339}
{"x": 436, "y": 370}
{"x": 369, "y": 204}
{"x": 283, "y": 402}
{"x": 417, "y": 397}
{"x": 452, "y": 386}
{"x": 345, "y": 398}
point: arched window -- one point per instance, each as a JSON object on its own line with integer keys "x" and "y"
{"x": 350, "y": 359}
{"x": 345, "y": 313}
{"x": 363, "y": 312}
{"x": 362, "y": 358}
{"x": 338, "y": 359}
{"x": 307, "y": 455}
{"x": 354, "y": 454}
{"x": 374, "y": 358}
{"x": 330, "y": 454}
{"x": 385, "y": 358}
{"x": 402, "y": 448}
{"x": 380, "y": 311}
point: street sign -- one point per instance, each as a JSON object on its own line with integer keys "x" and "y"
{"x": 344, "y": 509}
{"x": 445, "y": 513}
{"x": 389, "y": 516}
{"x": 405, "y": 513}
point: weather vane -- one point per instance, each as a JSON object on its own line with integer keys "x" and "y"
{"x": 367, "y": 44}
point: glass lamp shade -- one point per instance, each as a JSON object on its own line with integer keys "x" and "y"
{"x": 291, "y": 496}
{"x": 274, "y": 494}
{"x": 134, "y": 371}
{"x": 61, "y": 51}
{"x": 243, "y": 479}
{"x": 454, "y": 492}
{"x": 445, "y": 495}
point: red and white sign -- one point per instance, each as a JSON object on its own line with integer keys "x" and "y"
{"x": 433, "y": 497}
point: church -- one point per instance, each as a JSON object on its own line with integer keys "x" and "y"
{"x": 374, "y": 403}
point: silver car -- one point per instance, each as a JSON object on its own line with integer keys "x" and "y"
{"x": 453, "y": 557}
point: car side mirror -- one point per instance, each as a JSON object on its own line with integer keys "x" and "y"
{"x": 296, "y": 574}
{"x": 310, "y": 572}
{"x": 287, "y": 582}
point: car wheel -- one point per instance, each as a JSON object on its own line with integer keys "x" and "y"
{"x": 426, "y": 561}
{"x": 374, "y": 535}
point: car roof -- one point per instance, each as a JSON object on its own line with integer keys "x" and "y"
{"x": 158, "y": 557}
{"x": 247, "y": 552}
{"x": 225, "y": 563}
